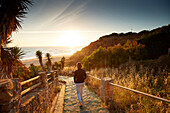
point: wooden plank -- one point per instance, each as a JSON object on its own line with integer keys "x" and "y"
{"x": 30, "y": 88}
{"x": 142, "y": 93}
{"x": 49, "y": 74}
{"x": 48, "y": 78}
{"x": 30, "y": 80}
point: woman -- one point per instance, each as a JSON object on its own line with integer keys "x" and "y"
{"x": 79, "y": 77}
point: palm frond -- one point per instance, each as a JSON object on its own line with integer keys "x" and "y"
{"x": 39, "y": 54}
{"x": 11, "y": 13}
{"x": 48, "y": 55}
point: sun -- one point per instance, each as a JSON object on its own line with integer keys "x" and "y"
{"x": 71, "y": 38}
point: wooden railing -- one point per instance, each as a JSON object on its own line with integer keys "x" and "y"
{"x": 139, "y": 92}
{"x": 33, "y": 95}
{"x": 50, "y": 76}
{"x": 32, "y": 87}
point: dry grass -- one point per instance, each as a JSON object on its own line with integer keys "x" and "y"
{"x": 155, "y": 81}
{"x": 94, "y": 85}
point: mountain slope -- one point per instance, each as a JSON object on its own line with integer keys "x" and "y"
{"x": 115, "y": 38}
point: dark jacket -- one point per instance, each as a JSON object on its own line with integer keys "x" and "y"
{"x": 79, "y": 76}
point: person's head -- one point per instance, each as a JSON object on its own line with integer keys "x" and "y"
{"x": 79, "y": 65}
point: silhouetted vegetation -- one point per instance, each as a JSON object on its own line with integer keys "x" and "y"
{"x": 9, "y": 61}
{"x": 49, "y": 63}
{"x": 39, "y": 56}
{"x": 11, "y": 14}
{"x": 157, "y": 42}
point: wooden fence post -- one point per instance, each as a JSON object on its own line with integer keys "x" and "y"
{"x": 10, "y": 95}
{"x": 52, "y": 75}
{"x": 106, "y": 90}
{"x": 43, "y": 79}
{"x": 56, "y": 76}
{"x": 53, "y": 79}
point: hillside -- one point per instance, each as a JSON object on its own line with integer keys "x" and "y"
{"x": 116, "y": 38}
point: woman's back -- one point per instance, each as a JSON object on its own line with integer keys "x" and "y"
{"x": 79, "y": 76}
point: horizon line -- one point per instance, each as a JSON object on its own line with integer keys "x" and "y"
{"x": 50, "y": 46}
{"x": 59, "y": 31}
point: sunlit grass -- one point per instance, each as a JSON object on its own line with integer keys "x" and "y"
{"x": 145, "y": 79}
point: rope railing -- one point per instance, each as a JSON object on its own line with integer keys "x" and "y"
{"x": 139, "y": 92}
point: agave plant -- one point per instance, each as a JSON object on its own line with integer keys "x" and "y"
{"x": 10, "y": 59}
{"x": 49, "y": 62}
{"x": 39, "y": 56}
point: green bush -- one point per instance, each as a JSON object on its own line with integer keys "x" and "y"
{"x": 114, "y": 56}
{"x": 34, "y": 70}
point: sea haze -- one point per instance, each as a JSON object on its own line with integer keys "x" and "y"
{"x": 30, "y": 52}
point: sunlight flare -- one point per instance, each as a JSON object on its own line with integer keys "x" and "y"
{"x": 71, "y": 38}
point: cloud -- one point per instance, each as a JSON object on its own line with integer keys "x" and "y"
{"x": 70, "y": 12}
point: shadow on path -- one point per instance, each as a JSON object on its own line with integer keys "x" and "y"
{"x": 91, "y": 103}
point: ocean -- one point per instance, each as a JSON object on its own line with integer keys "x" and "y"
{"x": 30, "y": 52}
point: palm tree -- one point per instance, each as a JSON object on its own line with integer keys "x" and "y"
{"x": 49, "y": 62}
{"x": 11, "y": 14}
{"x": 39, "y": 56}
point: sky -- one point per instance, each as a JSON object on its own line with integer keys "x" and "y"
{"x": 79, "y": 22}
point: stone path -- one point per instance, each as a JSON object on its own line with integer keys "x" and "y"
{"x": 91, "y": 103}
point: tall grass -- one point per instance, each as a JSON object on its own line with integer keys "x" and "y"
{"x": 148, "y": 79}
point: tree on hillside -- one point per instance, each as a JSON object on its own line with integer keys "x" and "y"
{"x": 134, "y": 50}
{"x": 117, "y": 55}
{"x": 114, "y": 56}
{"x": 39, "y": 56}
{"x": 49, "y": 62}
{"x": 11, "y": 14}
{"x": 96, "y": 60}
